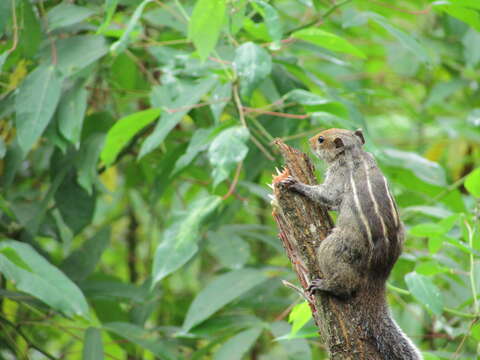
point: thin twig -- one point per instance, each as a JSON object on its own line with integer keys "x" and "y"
{"x": 142, "y": 67}
{"x": 238, "y": 104}
{"x": 467, "y": 334}
{"x": 470, "y": 232}
{"x": 275, "y": 113}
{"x": 231, "y": 189}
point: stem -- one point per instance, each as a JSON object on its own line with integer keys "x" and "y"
{"x": 472, "y": 268}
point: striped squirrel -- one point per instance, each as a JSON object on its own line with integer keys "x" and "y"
{"x": 367, "y": 238}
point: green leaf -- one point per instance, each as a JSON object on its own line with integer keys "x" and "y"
{"x": 44, "y": 281}
{"x": 472, "y": 182}
{"x": 429, "y": 268}
{"x": 221, "y": 291}
{"x": 426, "y": 170}
{"x": 205, "y": 25}
{"x": 423, "y": 289}
{"x": 179, "y": 242}
{"x": 93, "y": 346}
{"x": 71, "y": 111}
{"x": 428, "y": 356}
{"x": 237, "y": 346}
{"x": 35, "y": 104}
{"x": 252, "y": 64}
{"x": 406, "y": 40}
{"x": 469, "y": 17}
{"x": 75, "y": 205}
{"x": 66, "y": 14}
{"x": 305, "y": 97}
{"x": 3, "y": 58}
{"x": 476, "y": 331}
{"x": 328, "y": 41}
{"x": 83, "y": 261}
{"x": 110, "y": 6}
{"x": 220, "y": 97}
{"x": 120, "y": 45}
{"x": 143, "y": 338}
{"x": 227, "y": 150}
{"x": 299, "y": 316}
{"x": 123, "y": 131}
{"x": 229, "y": 249}
{"x": 471, "y": 47}
{"x": 272, "y": 19}
{"x": 189, "y": 95}
{"x": 199, "y": 142}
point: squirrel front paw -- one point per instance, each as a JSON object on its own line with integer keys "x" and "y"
{"x": 290, "y": 182}
{"x": 316, "y": 284}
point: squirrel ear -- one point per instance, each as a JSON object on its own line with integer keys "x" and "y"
{"x": 359, "y": 133}
{"x": 338, "y": 142}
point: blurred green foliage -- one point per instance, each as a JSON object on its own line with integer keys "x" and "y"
{"x": 135, "y": 150}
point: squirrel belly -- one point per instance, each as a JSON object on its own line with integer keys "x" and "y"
{"x": 357, "y": 257}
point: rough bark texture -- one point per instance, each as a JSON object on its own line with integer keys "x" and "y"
{"x": 303, "y": 225}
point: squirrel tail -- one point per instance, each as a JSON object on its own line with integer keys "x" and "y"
{"x": 391, "y": 341}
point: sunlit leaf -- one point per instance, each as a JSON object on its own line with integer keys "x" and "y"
{"x": 42, "y": 280}
{"x": 123, "y": 131}
{"x": 328, "y": 40}
{"x": 472, "y": 182}
{"x": 468, "y": 16}
{"x": 299, "y": 316}
{"x": 221, "y": 291}
{"x": 205, "y": 25}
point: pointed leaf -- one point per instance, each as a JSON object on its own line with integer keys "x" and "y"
{"x": 35, "y": 104}
{"x": 123, "y": 131}
{"x": 328, "y": 40}
{"x": 71, "y": 111}
{"x": 41, "y": 279}
{"x": 120, "y": 45}
{"x": 67, "y": 14}
{"x": 205, "y": 25}
{"x": 221, "y": 291}
{"x": 472, "y": 182}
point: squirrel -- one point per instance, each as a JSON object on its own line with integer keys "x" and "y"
{"x": 367, "y": 239}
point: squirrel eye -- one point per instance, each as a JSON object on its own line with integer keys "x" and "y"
{"x": 320, "y": 139}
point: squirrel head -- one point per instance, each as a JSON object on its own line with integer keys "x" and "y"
{"x": 329, "y": 144}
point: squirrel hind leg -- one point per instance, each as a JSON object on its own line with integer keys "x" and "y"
{"x": 340, "y": 273}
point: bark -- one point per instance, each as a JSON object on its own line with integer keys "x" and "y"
{"x": 303, "y": 225}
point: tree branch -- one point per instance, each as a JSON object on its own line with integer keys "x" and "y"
{"x": 303, "y": 225}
